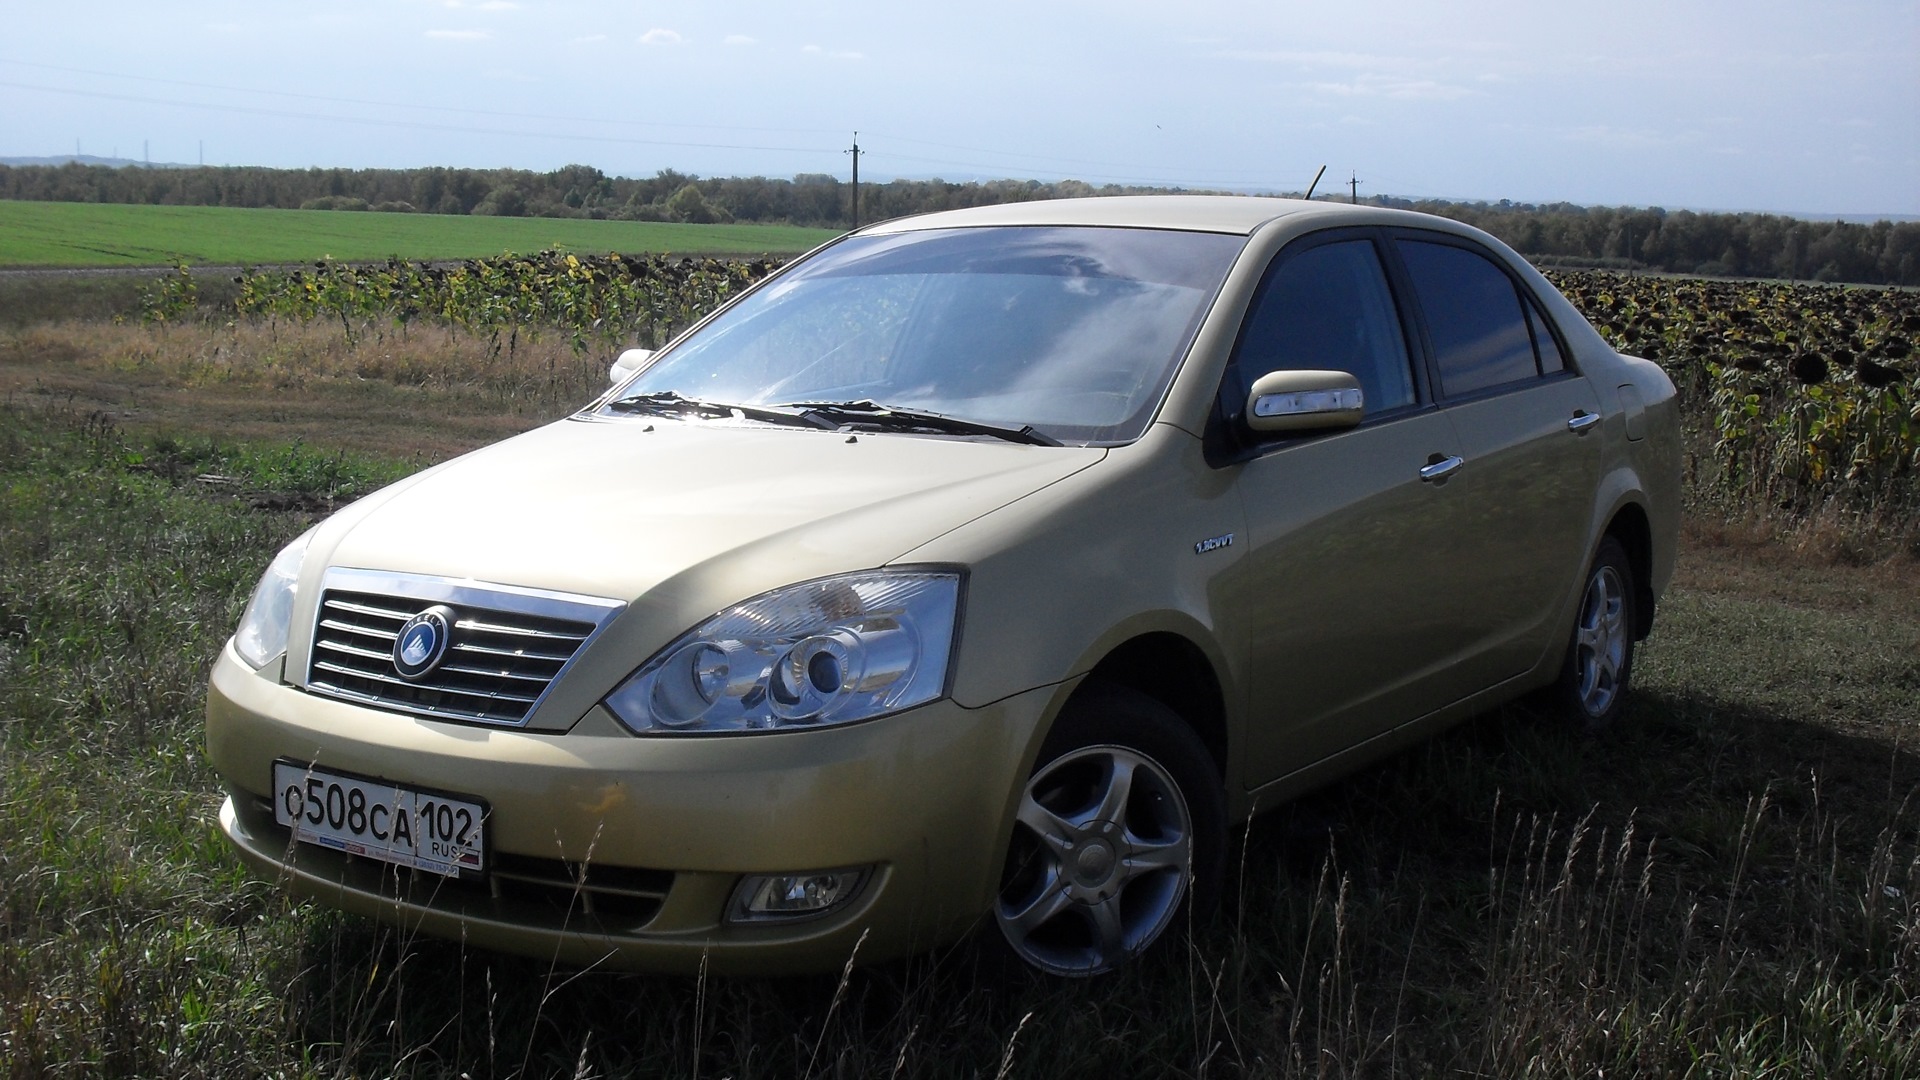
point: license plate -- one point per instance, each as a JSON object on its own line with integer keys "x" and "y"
{"x": 437, "y": 832}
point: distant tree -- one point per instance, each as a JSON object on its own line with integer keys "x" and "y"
{"x": 502, "y": 201}
{"x": 691, "y": 205}
{"x": 1756, "y": 245}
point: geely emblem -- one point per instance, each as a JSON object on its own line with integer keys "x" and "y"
{"x": 423, "y": 640}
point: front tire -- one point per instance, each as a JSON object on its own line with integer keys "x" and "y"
{"x": 1598, "y": 670}
{"x": 1119, "y": 834}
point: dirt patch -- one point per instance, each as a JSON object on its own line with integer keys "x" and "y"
{"x": 275, "y": 388}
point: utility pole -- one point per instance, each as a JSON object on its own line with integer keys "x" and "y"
{"x": 856, "y": 178}
{"x": 1353, "y": 188}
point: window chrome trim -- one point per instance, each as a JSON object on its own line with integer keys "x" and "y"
{"x": 427, "y": 589}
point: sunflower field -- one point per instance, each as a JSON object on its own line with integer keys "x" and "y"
{"x": 1799, "y": 396}
{"x": 1809, "y": 395}
{"x": 596, "y": 303}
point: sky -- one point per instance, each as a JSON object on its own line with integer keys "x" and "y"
{"x": 1810, "y": 108}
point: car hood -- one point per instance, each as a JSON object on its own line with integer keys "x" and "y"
{"x": 616, "y": 508}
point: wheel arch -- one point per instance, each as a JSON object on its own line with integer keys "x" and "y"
{"x": 1631, "y": 526}
{"x": 1173, "y": 670}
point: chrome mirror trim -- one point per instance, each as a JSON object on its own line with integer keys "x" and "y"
{"x": 1305, "y": 400}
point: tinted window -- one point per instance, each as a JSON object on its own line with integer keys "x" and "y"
{"x": 1327, "y": 308}
{"x": 1550, "y": 358}
{"x": 1479, "y": 332}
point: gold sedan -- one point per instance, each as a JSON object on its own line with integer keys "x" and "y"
{"x": 976, "y": 572}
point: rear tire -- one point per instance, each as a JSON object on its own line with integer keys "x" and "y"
{"x": 1598, "y": 670}
{"x": 1118, "y": 837}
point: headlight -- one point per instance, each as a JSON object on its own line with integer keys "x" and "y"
{"x": 823, "y": 652}
{"x": 263, "y": 629}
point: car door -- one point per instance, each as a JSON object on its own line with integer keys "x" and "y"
{"x": 1528, "y": 435}
{"x": 1347, "y": 597}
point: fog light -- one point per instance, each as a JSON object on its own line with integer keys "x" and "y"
{"x": 765, "y": 898}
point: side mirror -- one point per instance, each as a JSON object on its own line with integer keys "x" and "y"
{"x": 1299, "y": 401}
{"x": 627, "y": 363}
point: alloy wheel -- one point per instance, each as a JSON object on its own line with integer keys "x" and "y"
{"x": 1601, "y": 639}
{"x": 1101, "y": 861}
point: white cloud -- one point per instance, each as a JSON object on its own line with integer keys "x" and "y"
{"x": 1392, "y": 87}
{"x": 1618, "y": 138}
{"x": 458, "y": 35}
{"x": 815, "y": 50}
{"x": 741, "y": 39}
{"x": 1322, "y": 58}
{"x": 499, "y": 5}
{"x": 657, "y": 36}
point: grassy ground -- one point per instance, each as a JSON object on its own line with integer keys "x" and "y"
{"x": 1722, "y": 886}
{"x": 92, "y": 234}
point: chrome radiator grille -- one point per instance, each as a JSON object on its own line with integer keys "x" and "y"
{"x": 505, "y": 648}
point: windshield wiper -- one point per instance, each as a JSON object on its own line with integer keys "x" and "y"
{"x": 673, "y": 403}
{"x": 874, "y": 415}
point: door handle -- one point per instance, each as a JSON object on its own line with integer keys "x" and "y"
{"x": 1582, "y": 421}
{"x": 1438, "y": 469}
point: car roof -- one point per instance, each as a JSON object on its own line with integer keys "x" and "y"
{"x": 1236, "y": 214}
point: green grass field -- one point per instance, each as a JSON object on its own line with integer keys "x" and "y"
{"x": 1723, "y": 886}
{"x": 42, "y": 234}
{"x": 1720, "y": 888}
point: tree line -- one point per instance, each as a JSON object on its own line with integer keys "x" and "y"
{"x": 1682, "y": 241}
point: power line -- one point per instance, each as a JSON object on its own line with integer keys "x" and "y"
{"x": 1061, "y": 174}
{"x": 1005, "y": 153}
{"x": 408, "y": 104}
{"x": 408, "y": 124}
{"x": 1132, "y": 175}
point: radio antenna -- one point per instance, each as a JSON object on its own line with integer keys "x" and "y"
{"x": 1316, "y": 182}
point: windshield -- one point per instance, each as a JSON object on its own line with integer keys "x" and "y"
{"x": 1071, "y": 332}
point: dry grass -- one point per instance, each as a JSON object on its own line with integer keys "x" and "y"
{"x": 424, "y": 394}
{"x": 1839, "y": 564}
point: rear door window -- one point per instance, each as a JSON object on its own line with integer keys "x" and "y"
{"x": 1475, "y": 320}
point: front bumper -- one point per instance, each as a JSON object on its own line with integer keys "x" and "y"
{"x": 622, "y": 851}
